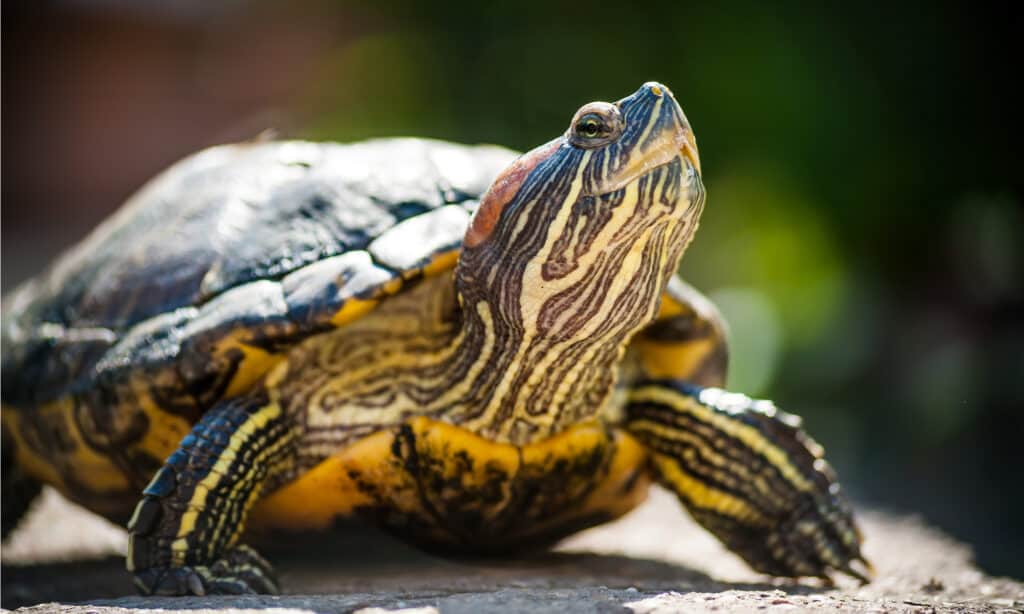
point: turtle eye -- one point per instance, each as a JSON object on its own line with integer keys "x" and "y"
{"x": 595, "y": 125}
{"x": 592, "y": 126}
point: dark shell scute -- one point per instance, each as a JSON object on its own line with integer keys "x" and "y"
{"x": 432, "y": 232}
{"x": 155, "y": 341}
{"x": 316, "y": 292}
{"x": 319, "y": 221}
{"x": 72, "y": 349}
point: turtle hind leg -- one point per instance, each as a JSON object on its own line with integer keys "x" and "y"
{"x": 17, "y": 489}
{"x": 751, "y": 476}
{"x": 183, "y": 535}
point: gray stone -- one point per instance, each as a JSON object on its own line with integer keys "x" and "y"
{"x": 653, "y": 561}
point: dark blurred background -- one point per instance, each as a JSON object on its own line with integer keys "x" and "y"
{"x": 864, "y": 225}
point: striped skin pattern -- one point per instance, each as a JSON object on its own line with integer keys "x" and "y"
{"x": 748, "y": 474}
{"x": 346, "y": 386}
{"x": 183, "y": 534}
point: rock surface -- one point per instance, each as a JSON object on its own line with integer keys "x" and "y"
{"x": 654, "y": 560}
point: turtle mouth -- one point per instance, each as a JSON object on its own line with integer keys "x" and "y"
{"x": 680, "y": 145}
{"x": 689, "y": 151}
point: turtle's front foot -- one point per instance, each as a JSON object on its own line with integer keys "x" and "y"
{"x": 817, "y": 538}
{"x": 182, "y": 538}
{"x": 751, "y": 476}
{"x": 242, "y": 571}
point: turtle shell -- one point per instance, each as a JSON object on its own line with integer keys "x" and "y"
{"x": 231, "y": 255}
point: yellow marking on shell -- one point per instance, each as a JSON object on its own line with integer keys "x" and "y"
{"x": 441, "y": 262}
{"x": 86, "y": 468}
{"x": 353, "y": 309}
{"x": 253, "y": 365}
{"x": 670, "y": 307}
{"x": 100, "y": 483}
{"x": 165, "y": 430}
{"x": 700, "y": 350}
{"x": 391, "y": 287}
{"x": 255, "y": 423}
{"x": 367, "y": 473}
{"x": 36, "y": 466}
{"x": 704, "y": 496}
{"x": 673, "y": 360}
{"x": 749, "y": 435}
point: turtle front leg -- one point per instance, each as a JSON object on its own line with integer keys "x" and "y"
{"x": 750, "y": 475}
{"x": 183, "y": 535}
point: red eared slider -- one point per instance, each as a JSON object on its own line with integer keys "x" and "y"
{"x": 477, "y": 351}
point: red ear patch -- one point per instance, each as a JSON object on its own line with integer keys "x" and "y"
{"x": 504, "y": 188}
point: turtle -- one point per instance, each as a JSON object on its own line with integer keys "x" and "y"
{"x": 477, "y": 350}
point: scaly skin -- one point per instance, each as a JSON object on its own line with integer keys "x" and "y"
{"x": 183, "y": 534}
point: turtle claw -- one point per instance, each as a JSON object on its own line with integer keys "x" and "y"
{"x": 859, "y": 568}
{"x": 241, "y": 571}
{"x": 249, "y": 568}
{"x": 172, "y": 581}
{"x": 816, "y": 542}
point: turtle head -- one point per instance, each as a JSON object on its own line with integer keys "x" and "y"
{"x": 592, "y": 224}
